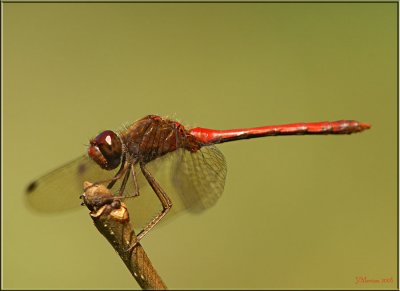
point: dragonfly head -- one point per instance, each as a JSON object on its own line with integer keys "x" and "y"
{"x": 106, "y": 150}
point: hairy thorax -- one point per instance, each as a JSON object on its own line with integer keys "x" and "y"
{"x": 152, "y": 137}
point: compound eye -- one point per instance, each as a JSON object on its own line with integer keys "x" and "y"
{"x": 106, "y": 150}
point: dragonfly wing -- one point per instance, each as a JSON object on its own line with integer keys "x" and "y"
{"x": 199, "y": 178}
{"x": 197, "y": 182}
{"x": 60, "y": 189}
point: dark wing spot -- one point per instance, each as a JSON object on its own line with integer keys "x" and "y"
{"x": 81, "y": 169}
{"x": 31, "y": 187}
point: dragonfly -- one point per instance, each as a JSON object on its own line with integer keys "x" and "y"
{"x": 128, "y": 161}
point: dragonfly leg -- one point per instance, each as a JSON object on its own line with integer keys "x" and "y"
{"x": 135, "y": 183}
{"x": 121, "y": 190}
{"x": 124, "y": 167}
{"x": 162, "y": 196}
{"x": 123, "y": 184}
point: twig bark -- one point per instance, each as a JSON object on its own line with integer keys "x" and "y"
{"x": 111, "y": 218}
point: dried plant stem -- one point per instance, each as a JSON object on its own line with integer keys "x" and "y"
{"x": 112, "y": 221}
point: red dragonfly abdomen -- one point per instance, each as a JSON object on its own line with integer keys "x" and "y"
{"x": 211, "y": 136}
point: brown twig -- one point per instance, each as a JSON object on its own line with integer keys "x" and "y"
{"x": 111, "y": 218}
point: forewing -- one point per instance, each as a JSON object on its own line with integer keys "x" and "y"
{"x": 60, "y": 189}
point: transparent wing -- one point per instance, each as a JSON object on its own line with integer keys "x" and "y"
{"x": 193, "y": 181}
{"x": 60, "y": 189}
{"x": 200, "y": 178}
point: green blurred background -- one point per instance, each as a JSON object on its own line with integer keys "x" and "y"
{"x": 297, "y": 212}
